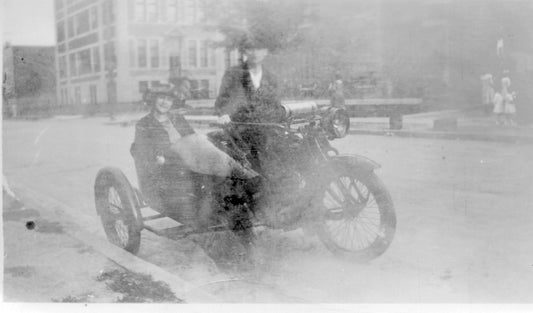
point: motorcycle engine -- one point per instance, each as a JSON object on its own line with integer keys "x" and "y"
{"x": 284, "y": 165}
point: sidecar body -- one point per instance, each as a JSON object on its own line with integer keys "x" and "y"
{"x": 165, "y": 204}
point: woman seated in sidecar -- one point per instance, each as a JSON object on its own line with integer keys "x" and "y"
{"x": 174, "y": 164}
{"x": 163, "y": 178}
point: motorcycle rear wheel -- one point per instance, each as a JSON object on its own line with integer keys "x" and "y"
{"x": 358, "y": 222}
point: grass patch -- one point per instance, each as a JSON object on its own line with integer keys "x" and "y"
{"x": 73, "y": 299}
{"x": 136, "y": 287}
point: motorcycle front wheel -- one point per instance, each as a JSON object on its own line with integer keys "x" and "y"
{"x": 358, "y": 221}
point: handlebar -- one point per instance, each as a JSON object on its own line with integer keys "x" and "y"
{"x": 278, "y": 125}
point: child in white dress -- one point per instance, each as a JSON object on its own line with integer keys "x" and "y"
{"x": 499, "y": 109}
{"x": 510, "y": 109}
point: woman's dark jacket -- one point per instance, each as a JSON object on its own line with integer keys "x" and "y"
{"x": 243, "y": 103}
{"x": 151, "y": 141}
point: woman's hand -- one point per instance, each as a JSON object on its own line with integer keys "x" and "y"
{"x": 160, "y": 159}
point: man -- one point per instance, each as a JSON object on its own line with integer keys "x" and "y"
{"x": 249, "y": 97}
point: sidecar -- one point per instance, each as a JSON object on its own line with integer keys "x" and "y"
{"x": 125, "y": 211}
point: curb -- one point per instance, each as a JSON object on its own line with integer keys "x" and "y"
{"x": 445, "y": 135}
{"x": 183, "y": 289}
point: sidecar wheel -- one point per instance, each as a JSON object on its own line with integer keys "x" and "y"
{"x": 116, "y": 205}
{"x": 359, "y": 220}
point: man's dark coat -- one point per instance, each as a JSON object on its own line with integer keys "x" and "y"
{"x": 243, "y": 103}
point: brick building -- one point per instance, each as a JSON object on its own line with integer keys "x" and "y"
{"x": 28, "y": 83}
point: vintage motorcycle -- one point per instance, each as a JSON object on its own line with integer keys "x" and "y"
{"x": 303, "y": 183}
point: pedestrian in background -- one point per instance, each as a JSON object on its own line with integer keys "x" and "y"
{"x": 336, "y": 91}
{"x": 487, "y": 90}
{"x": 508, "y": 99}
{"x": 510, "y": 109}
{"x": 498, "y": 108}
{"x": 505, "y": 84}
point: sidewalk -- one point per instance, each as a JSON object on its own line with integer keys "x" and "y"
{"x": 43, "y": 254}
{"x": 35, "y": 270}
{"x": 470, "y": 126}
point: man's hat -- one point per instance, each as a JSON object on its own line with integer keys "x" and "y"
{"x": 249, "y": 41}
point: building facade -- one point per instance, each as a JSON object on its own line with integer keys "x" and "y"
{"x": 110, "y": 51}
{"x": 28, "y": 84}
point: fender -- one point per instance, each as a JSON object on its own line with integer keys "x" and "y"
{"x": 363, "y": 163}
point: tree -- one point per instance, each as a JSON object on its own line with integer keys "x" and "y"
{"x": 277, "y": 24}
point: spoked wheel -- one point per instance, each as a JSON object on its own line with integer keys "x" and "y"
{"x": 358, "y": 222}
{"x": 116, "y": 205}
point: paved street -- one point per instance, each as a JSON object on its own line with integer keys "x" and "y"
{"x": 464, "y": 219}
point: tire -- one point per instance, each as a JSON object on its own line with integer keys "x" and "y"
{"x": 368, "y": 200}
{"x": 117, "y": 206}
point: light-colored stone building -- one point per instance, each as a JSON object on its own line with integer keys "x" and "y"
{"x": 110, "y": 51}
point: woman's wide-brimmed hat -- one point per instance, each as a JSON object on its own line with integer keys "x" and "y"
{"x": 158, "y": 91}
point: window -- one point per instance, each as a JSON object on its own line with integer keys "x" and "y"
{"x": 172, "y": 10}
{"x": 192, "y": 53}
{"x": 204, "y": 54}
{"x": 60, "y": 31}
{"x": 94, "y": 17}
{"x": 212, "y": 55}
{"x": 175, "y": 65}
{"x": 181, "y": 10}
{"x": 59, "y": 4}
{"x": 82, "y": 22}
{"x": 151, "y": 10}
{"x": 110, "y": 56}
{"x": 141, "y": 53}
{"x": 77, "y": 95}
{"x": 71, "y": 27}
{"x": 62, "y": 66}
{"x": 93, "y": 94}
{"x": 204, "y": 85}
{"x": 190, "y": 11}
{"x": 63, "y": 97}
{"x": 132, "y": 53}
{"x": 143, "y": 86}
{"x": 84, "y": 61}
{"x": 72, "y": 65}
{"x": 198, "y": 13}
{"x": 154, "y": 53}
{"x": 139, "y": 11}
{"x": 108, "y": 11}
{"x": 194, "y": 88}
{"x": 164, "y": 58}
{"x": 96, "y": 59}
